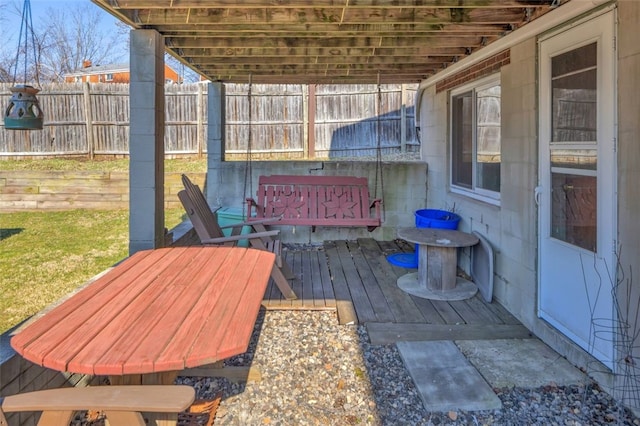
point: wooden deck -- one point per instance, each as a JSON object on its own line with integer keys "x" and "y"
{"x": 355, "y": 279}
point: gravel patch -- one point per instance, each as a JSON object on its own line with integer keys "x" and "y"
{"x": 317, "y": 372}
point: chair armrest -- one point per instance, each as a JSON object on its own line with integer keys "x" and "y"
{"x": 252, "y": 236}
{"x": 265, "y": 221}
{"x": 374, "y": 202}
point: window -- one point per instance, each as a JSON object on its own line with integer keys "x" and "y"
{"x": 475, "y": 139}
{"x": 109, "y": 77}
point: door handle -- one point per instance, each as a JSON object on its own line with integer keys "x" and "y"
{"x": 537, "y": 193}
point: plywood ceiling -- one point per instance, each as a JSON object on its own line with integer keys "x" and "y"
{"x": 326, "y": 41}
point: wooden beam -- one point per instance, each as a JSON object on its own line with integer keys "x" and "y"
{"x": 329, "y": 42}
{"x": 354, "y": 4}
{"x": 388, "y": 333}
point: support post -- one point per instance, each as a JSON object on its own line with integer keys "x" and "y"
{"x": 215, "y": 141}
{"x": 146, "y": 136}
{"x": 311, "y": 145}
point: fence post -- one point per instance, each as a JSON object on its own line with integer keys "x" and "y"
{"x": 88, "y": 113}
{"x": 403, "y": 118}
{"x": 200, "y": 120}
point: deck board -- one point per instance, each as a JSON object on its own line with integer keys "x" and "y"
{"x": 344, "y": 303}
{"x": 359, "y": 297}
{"x": 385, "y": 333}
{"x": 400, "y": 303}
{"x": 355, "y": 279}
{"x": 372, "y": 287}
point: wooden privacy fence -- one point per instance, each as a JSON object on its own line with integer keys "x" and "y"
{"x": 287, "y": 121}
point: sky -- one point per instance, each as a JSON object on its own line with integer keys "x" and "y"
{"x": 11, "y": 18}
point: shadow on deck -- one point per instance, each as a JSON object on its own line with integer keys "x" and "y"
{"x": 355, "y": 279}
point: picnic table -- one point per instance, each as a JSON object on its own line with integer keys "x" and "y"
{"x": 154, "y": 315}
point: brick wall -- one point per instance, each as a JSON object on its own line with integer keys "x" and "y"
{"x": 481, "y": 69}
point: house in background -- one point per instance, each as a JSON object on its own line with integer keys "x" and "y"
{"x": 111, "y": 73}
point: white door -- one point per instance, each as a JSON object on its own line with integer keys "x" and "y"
{"x": 577, "y": 201}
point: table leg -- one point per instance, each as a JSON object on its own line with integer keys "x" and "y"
{"x": 441, "y": 264}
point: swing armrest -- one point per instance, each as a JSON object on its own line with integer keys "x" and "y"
{"x": 259, "y": 212}
{"x": 376, "y": 203}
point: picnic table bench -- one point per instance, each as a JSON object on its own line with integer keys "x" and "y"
{"x": 315, "y": 201}
{"x": 122, "y": 405}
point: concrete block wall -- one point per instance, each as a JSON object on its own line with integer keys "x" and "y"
{"x": 517, "y": 279}
{"x": 510, "y": 227}
{"x": 629, "y": 167}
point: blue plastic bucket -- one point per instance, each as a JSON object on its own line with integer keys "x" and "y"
{"x": 431, "y": 218}
{"x": 425, "y": 218}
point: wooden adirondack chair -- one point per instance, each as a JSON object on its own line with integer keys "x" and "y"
{"x": 205, "y": 222}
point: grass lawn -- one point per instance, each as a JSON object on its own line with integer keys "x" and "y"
{"x": 46, "y": 255}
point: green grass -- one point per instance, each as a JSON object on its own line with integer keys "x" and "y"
{"x": 46, "y": 255}
{"x": 183, "y": 165}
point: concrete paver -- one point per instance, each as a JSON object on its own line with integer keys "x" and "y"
{"x": 445, "y": 379}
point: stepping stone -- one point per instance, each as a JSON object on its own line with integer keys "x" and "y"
{"x": 445, "y": 379}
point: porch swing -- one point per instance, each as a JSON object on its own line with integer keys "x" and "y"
{"x": 335, "y": 201}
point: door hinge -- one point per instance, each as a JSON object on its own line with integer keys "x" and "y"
{"x": 615, "y": 144}
{"x": 615, "y": 43}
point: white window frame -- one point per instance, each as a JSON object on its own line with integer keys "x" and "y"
{"x": 481, "y": 194}
{"x": 109, "y": 77}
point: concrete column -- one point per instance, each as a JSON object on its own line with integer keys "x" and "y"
{"x": 146, "y": 141}
{"x": 215, "y": 142}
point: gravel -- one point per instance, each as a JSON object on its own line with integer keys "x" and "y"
{"x": 317, "y": 372}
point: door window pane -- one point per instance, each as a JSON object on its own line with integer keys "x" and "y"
{"x": 574, "y": 209}
{"x": 585, "y": 159}
{"x": 574, "y": 84}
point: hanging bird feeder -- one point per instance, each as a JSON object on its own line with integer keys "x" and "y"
{"x": 24, "y": 112}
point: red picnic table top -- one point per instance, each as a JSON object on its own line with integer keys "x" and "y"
{"x": 159, "y": 310}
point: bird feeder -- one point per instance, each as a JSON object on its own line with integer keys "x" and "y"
{"x": 23, "y": 112}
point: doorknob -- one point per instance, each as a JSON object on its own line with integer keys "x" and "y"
{"x": 567, "y": 187}
{"x": 537, "y": 193}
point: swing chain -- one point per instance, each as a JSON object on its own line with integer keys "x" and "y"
{"x": 247, "y": 171}
{"x": 379, "y": 149}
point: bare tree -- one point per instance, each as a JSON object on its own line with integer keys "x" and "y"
{"x": 69, "y": 37}
{"x": 7, "y": 57}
